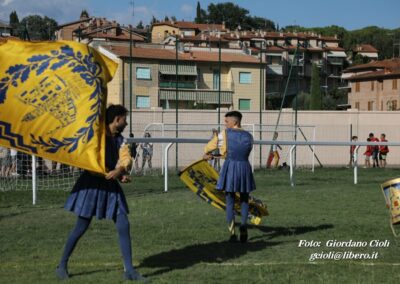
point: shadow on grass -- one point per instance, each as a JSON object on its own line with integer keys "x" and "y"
{"x": 215, "y": 252}
{"x": 273, "y": 232}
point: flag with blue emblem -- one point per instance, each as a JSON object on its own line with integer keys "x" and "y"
{"x": 52, "y": 101}
{"x": 201, "y": 178}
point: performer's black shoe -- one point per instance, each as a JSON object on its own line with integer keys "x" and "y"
{"x": 233, "y": 239}
{"x": 62, "y": 273}
{"x": 134, "y": 276}
{"x": 243, "y": 234}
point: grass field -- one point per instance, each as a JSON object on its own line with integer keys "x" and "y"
{"x": 177, "y": 238}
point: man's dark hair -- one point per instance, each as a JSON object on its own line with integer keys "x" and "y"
{"x": 113, "y": 111}
{"x": 371, "y": 134}
{"x": 236, "y": 114}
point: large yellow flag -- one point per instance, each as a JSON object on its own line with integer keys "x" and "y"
{"x": 52, "y": 101}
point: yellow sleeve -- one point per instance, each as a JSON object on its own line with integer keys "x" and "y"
{"x": 223, "y": 147}
{"x": 211, "y": 145}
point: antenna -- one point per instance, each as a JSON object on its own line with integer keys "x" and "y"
{"x": 132, "y": 3}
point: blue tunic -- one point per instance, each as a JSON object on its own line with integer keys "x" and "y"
{"x": 236, "y": 174}
{"x": 93, "y": 195}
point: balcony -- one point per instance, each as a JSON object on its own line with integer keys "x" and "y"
{"x": 181, "y": 85}
{"x": 335, "y": 60}
{"x": 198, "y": 95}
{"x": 299, "y": 61}
{"x": 275, "y": 69}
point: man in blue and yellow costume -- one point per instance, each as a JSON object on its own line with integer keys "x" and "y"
{"x": 236, "y": 174}
{"x": 102, "y": 197}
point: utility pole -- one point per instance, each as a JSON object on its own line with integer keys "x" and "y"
{"x": 130, "y": 73}
{"x": 261, "y": 97}
{"x": 219, "y": 82}
{"x": 176, "y": 99}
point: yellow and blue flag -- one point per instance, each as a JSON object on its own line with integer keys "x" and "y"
{"x": 202, "y": 179}
{"x": 52, "y": 101}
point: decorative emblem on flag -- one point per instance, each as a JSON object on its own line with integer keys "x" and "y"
{"x": 57, "y": 89}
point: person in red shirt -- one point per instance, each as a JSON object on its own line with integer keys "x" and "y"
{"x": 367, "y": 155}
{"x": 383, "y": 150}
{"x": 375, "y": 151}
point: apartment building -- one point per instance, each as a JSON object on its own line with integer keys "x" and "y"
{"x": 161, "y": 31}
{"x": 199, "y": 84}
{"x": 375, "y": 85}
{"x": 367, "y": 51}
{"x": 5, "y": 29}
{"x": 294, "y": 54}
{"x": 97, "y": 31}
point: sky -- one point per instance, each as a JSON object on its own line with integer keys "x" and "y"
{"x": 350, "y": 14}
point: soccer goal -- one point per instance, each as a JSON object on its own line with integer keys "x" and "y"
{"x": 20, "y": 171}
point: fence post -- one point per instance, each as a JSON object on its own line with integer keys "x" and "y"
{"x": 34, "y": 184}
{"x": 355, "y": 157}
{"x": 291, "y": 165}
{"x": 166, "y": 166}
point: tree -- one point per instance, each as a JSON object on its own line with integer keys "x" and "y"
{"x": 84, "y": 14}
{"x": 259, "y": 23}
{"x": 201, "y": 15}
{"x": 166, "y": 19}
{"x": 140, "y": 25}
{"x": 153, "y": 21}
{"x": 303, "y": 101}
{"x": 231, "y": 14}
{"x": 14, "y": 22}
{"x": 173, "y": 18}
{"x": 38, "y": 28}
{"x": 316, "y": 96}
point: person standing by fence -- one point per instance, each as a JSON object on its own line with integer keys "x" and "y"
{"x": 383, "y": 151}
{"x": 375, "y": 151}
{"x": 147, "y": 152}
{"x": 352, "y": 151}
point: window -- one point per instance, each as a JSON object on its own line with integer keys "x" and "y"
{"x": 394, "y": 84}
{"x": 357, "y": 87}
{"x": 142, "y": 102}
{"x": 372, "y": 85}
{"x": 394, "y": 105}
{"x": 244, "y": 78}
{"x": 244, "y": 104}
{"x": 216, "y": 79}
{"x": 276, "y": 60}
{"x": 143, "y": 73}
{"x": 371, "y": 105}
{"x": 357, "y": 105}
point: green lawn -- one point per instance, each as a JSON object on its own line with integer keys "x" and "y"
{"x": 177, "y": 238}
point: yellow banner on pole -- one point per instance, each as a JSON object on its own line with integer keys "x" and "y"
{"x": 201, "y": 178}
{"x": 53, "y": 99}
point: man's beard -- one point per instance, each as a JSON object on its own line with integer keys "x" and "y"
{"x": 120, "y": 129}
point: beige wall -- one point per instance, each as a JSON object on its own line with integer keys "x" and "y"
{"x": 246, "y": 91}
{"x": 379, "y": 96}
{"x": 206, "y": 80}
{"x": 328, "y": 125}
{"x": 144, "y": 87}
{"x": 114, "y": 86}
{"x": 66, "y": 33}
{"x": 158, "y": 33}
